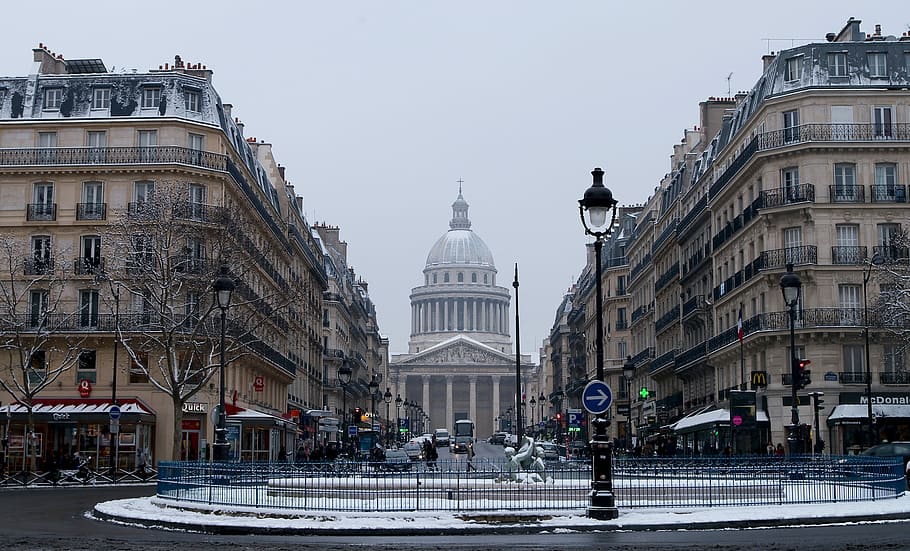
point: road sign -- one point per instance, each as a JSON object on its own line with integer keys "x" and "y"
{"x": 114, "y": 413}
{"x": 622, "y": 409}
{"x": 352, "y": 430}
{"x": 597, "y": 397}
{"x": 574, "y": 418}
{"x": 115, "y": 426}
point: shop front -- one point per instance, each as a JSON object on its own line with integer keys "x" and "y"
{"x": 259, "y": 436}
{"x": 848, "y": 423}
{"x": 65, "y": 426}
{"x": 712, "y": 432}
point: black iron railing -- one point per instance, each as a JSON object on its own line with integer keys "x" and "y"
{"x": 852, "y": 254}
{"x": 88, "y": 265}
{"x": 801, "y": 193}
{"x": 894, "y": 377}
{"x": 888, "y": 193}
{"x": 852, "y": 377}
{"x": 891, "y": 253}
{"x": 62, "y": 156}
{"x": 43, "y": 212}
{"x": 776, "y": 258}
{"x": 38, "y": 266}
{"x": 91, "y": 211}
{"x": 846, "y": 193}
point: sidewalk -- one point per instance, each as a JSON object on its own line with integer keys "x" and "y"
{"x": 152, "y": 512}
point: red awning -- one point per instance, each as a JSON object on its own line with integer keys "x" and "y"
{"x": 79, "y": 406}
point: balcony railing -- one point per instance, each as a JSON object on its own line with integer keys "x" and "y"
{"x": 891, "y": 253}
{"x": 68, "y": 156}
{"x": 644, "y": 356}
{"x": 693, "y": 305}
{"x": 847, "y": 194}
{"x": 691, "y": 355}
{"x": 698, "y": 208}
{"x": 888, "y": 193}
{"x": 801, "y": 193}
{"x": 621, "y": 324}
{"x": 664, "y": 235}
{"x": 894, "y": 377}
{"x": 852, "y": 377}
{"x": 663, "y": 360}
{"x": 43, "y": 212}
{"x": 667, "y": 277}
{"x": 776, "y": 258}
{"x": 91, "y": 211}
{"x": 852, "y": 254}
{"x": 88, "y": 265}
{"x": 639, "y": 268}
{"x": 38, "y": 266}
{"x": 666, "y": 319}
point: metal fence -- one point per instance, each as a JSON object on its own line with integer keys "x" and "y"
{"x": 76, "y": 477}
{"x": 453, "y": 486}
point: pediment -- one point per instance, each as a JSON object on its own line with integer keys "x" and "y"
{"x": 460, "y": 352}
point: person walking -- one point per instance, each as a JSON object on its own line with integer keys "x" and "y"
{"x": 471, "y": 457}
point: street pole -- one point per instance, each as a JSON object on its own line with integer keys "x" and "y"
{"x": 790, "y": 285}
{"x": 597, "y": 203}
{"x": 115, "y": 436}
{"x": 223, "y": 287}
{"x": 867, "y": 273}
{"x": 518, "y": 400}
{"x": 398, "y": 401}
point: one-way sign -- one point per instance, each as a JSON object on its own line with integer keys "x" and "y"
{"x": 597, "y": 397}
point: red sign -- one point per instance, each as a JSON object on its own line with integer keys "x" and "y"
{"x": 191, "y": 424}
{"x": 85, "y": 388}
{"x": 259, "y": 383}
{"x": 737, "y": 420}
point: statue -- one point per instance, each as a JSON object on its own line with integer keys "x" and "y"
{"x": 526, "y": 465}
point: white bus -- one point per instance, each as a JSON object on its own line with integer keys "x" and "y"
{"x": 464, "y": 435}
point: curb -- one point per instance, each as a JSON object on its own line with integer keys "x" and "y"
{"x": 492, "y": 527}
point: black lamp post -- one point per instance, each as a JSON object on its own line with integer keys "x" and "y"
{"x": 540, "y": 403}
{"x": 100, "y": 275}
{"x": 628, "y": 373}
{"x": 345, "y": 372}
{"x": 533, "y": 421}
{"x": 867, "y": 273}
{"x": 790, "y": 286}
{"x": 374, "y": 391}
{"x": 223, "y": 288}
{"x": 387, "y": 398}
{"x": 398, "y": 402}
{"x": 597, "y": 204}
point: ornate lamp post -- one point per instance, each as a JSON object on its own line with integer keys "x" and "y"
{"x": 628, "y": 373}
{"x": 867, "y": 273}
{"x": 398, "y": 402}
{"x": 597, "y": 203}
{"x": 387, "y": 398}
{"x": 223, "y": 288}
{"x": 533, "y": 422}
{"x": 540, "y": 403}
{"x": 345, "y": 372}
{"x": 790, "y": 286}
{"x": 374, "y": 392}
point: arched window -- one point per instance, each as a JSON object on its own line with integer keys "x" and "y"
{"x": 473, "y": 277}
{"x": 445, "y": 277}
{"x": 460, "y": 277}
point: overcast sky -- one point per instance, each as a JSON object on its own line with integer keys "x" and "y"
{"x": 377, "y": 108}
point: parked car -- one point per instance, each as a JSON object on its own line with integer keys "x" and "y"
{"x": 511, "y": 440}
{"x": 442, "y": 438}
{"x": 893, "y": 449}
{"x": 497, "y": 438}
{"x": 550, "y": 452}
{"x": 396, "y": 459}
{"x": 414, "y": 449}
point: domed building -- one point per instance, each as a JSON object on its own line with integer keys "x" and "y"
{"x": 459, "y": 363}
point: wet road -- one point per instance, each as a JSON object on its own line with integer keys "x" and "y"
{"x": 55, "y": 519}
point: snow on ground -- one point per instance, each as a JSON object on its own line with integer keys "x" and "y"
{"x": 154, "y": 509}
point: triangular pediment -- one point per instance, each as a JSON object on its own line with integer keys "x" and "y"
{"x": 460, "y": 350}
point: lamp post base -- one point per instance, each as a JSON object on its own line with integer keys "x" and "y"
{"x": 221, "y": 451}
{"x": 602, "y": 501}
{"x": 796, "y": 438}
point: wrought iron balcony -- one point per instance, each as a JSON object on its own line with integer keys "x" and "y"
{"x": 852, "y": 377}
{"x": 895, "y": 377}
{"x": 70, "y": 156}
{"x": 847, "y": 194}
{"x": 88, "y": 265}
{"x": 891, "y": 253}
{"x": 667, "y": 319}
{"x": 888, "y": 193}
{"x": 801, "y": 193}
{"x": 777, "y": 258}
{"x": 38, "y": 266}
{"x": 854, "y": 254}
{"x": 91, "y": 211}
{"x": 43, "y": 212}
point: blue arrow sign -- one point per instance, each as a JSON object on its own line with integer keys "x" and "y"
{"x": 597, "y": 397}
{"x": 114, "y": 413}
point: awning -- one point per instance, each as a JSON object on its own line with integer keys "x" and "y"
{"x": 707, "y": 418}
{"x": 81, "y": 409}
{"x": 861, "y": 411}
{"x": 251, "y": 417}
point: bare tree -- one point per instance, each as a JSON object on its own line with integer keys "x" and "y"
{"x": 892, "y": 269}
{"x": 38, "y": 325}
{"x": 169, "y": 249}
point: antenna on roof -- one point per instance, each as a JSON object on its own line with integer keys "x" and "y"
{"x": 728, "y": 84}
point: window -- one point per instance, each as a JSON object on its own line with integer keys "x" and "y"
{"x": 460, "y": 277}
{"x": 847, "y": 250}
{"x": 92, "y": 205}
{"x": 621, "y": 322}
{"x": 53, "y": 98}
{"x": 621, "y": 349}
{"x": 96, "y": 140}
{"x": 90, "y": 256}
{"x": 791, "y": 125}
{"x": 43, "y": 205}
{"x": 197, "y": 201}
{"x": 101, "y": 98}
{"x": 151, "y": 97}
{"x": 878, "y": 65}
{"x": 434, "y": 279}
{"x": 47, "y": 139}
{"x": 192, "y": 101}
{"x": 845, "y": 183}
{"x": 789, "y": 180}
{"x": 888, "y": 246}
{"x": 37, "y": 367}
{"x": 621, "y": 285}
{"x": 473, "y": 277}
{"x": 793, "y": 69}
{"x": 196, "y": 143}
{"x": 837, "y": 64}
{"x": 137, "y": 373}
{"x": 143, "y": 191}
{"x": 88, "y": 308}
{"x": 445, "y": 277}
{"x": 85, "y": 368}
{"x": 148, "y": 140}
{"x": 853, "y": 364}
{"x": 893, "y": 358}
{"x": 38, "y": 304}
{"x": 850, "y": 312}
{"x": 485, "y": 279}
{"x": 192, "y": 308}
{"x": 195, "y": 254}
{"x": 41, "y": 260}
{"x": 793, "y": 240}
{"x": 885, "y": 188}
{"x": 881, "y": 122}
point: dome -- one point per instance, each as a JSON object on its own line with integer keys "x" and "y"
{"x": 460, "y": 245}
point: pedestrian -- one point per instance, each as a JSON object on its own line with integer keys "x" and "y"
{"x": 770, "y": 448}
{"x": 779, "y": 450}
{"x": 432, "y": 453}
{"x": 470, "y": 457}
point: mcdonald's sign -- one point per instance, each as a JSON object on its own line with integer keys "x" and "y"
{"x": 759, "y": 379}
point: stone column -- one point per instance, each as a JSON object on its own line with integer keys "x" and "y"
{"x": 445, "y": 318}
{"x": 472, "y": 398}
{"x": 403, "y": 385}
{"x": 450, "y": 410}
{"x": 496, "y": 411}
{"x": 426, "y": 394}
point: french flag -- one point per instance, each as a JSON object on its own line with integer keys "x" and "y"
{"x": 739, "y": 326}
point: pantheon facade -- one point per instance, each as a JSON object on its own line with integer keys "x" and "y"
{"x": 459, "y": 363}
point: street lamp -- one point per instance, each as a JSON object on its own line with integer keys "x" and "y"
{"x": 533, "y": 422}
{"x": 790, "y": 287}
{"x": 540, "y": 403}
{"x": 867, "y": 273}
{"x": 115, "y": 428}
{"x": 223, "y": 287}
{"x": 628, "y": 373}
{"x": 387, "y": 398}
{"x": 398, "y": 402}
{"x": 345, "y": 372}
{"x": 374, "y": 391}
{"x": 597, "y": 203}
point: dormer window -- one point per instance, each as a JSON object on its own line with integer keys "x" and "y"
{"x": 53, "y": 98}
{"x": 878, "y": 64}
{"x": 151, "y": 97}
{"x": 837, "y": 64}
{"x": 101, "y": 98}
{"x": 192, "y": 101}
{"x": 793, "y": 69}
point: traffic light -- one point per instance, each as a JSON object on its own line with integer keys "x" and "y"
{"x": 558, "y": 416}
{"x": 358, "y": 415}
{"x": 805, "y": 378}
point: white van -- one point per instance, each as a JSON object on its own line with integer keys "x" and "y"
{"x": 442, "y": 438}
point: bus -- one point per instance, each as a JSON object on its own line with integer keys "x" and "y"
{"x": 464, "y": 435}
